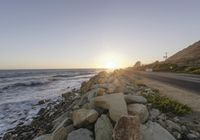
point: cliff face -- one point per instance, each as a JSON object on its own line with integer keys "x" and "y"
{"x": 189, "y": 56}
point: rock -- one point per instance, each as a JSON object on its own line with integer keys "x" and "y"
{"x": 42, "y": 102}
{"x": 117, "y": 86}
{"x": 84, "y": 116}
{"x": 103, "y": 86}
{"x": 89, "y": 105}
{"x": 43, "y": 137}
{"x": 87, "y": 97}
{"x": 162, "y": 123}
{"x": 67, "y": 95}
{"x": 183, "y": 128}
{"x": 130, "y": 99}
{"x": 98, "y": 79}
{"x": 103, "y": 128}
{"x": 176, "y": 119}
{"x": 154, "y": 113}
{"x": 93, "y": 93}
{"x": 81, "y": 134}
{"x": 108, "y": 87}
{"x": 75, "y": 107}
{"x": 115, "y": 103}
{"x": 100, "y": 91}
{"x": 41, "y": 111}
{"x": 127, "y": 128}
{"x": 131, "y": 90}
{"x": 192, "y": 136}
{"x": 153, "y": 131}
{"x": 62, "y": 131}
{"x": 59, "y": 120}
{"x": 162, "y": 116}
{"x": 177, "y": 135}
{"x": 194, "y": 132}
{"x": 173, "y": 126}
{"x": 140, "y": 110}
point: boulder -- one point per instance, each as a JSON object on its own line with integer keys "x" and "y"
{"x": 84, "y": 116}
{"x": 43, "y": 137}
{"x": 154, "y": 113}
{"x": 162, "y": 116}
{"x": 130, "y": 99}
{"x": 140, "y": 110}
{"x": 42, "y": 101}
{"x": 94, "y": 92}
{"x": 162, "y": 123}
{"x": 100, "y": 92}
{"x": 153, "y": 131}
{"x": 80, "y": 134}
{"x": 173, "y": 126}
{"x": 89, "y": 105}
{"x": 108, "y": 87}
{"x": 115, "y": 103}
{"x": 98, "y": 79}
{"x": 62, "y": 131}
{"x": 87, "y": 97}
{"x": 103, "y": 128}
{"x": 191, "y": 136}
{"x": 127, "y": 128}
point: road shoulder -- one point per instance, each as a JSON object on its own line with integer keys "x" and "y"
{"x": 183, "y": 96}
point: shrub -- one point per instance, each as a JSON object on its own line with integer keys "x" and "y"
{"x": 166, "y": 104}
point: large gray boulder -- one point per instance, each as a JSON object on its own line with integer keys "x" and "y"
{"x": 140, "y": 110}
{"x": 84, "y": 117}
{"x": 130, "y": 99}
{"x": 103, "y": 128}
{"x": 127, "y": 128}
{"x": 115, "y": 103}
{"x": 153, "y": 131}
{"x": 81, "y": 134}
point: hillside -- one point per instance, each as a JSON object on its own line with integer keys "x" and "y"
{"x": 189, "y": 56}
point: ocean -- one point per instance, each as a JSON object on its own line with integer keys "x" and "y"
{"x": 20, "y": 91}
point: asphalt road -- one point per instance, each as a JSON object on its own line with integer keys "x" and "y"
{"x": 189, "y": 82}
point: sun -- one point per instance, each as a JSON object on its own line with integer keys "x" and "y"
{"x": 111, "y": 65}
{"x": 110, "y": 61}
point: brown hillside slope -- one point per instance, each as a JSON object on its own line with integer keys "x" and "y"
{"x": 189, "y": 56}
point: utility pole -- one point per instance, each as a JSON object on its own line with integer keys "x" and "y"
{"x": 165, "y": 56}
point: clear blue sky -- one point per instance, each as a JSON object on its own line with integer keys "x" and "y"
{"x": 87, "y": 33}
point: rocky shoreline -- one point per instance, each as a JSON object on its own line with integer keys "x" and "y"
{"x": 108, "y": 106}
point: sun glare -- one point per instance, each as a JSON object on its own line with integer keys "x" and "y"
{"x": 110, "y": 61}
{"x": 111, "y": 65}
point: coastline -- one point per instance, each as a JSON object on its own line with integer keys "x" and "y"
{"x": 58, "y": 122}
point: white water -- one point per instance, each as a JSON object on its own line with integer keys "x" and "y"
{"x": 21, "y": 90}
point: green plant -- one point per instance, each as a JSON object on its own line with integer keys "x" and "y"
{"x": 166, "y": 104}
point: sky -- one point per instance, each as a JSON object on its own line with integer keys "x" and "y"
{"x": 39, "y": 34}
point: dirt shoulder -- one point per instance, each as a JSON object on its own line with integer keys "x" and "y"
{"x": 183, "y": 96}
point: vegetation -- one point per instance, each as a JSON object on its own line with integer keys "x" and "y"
{"x": 168, "y": 67}
{"x": 193, "y": 70}
{"x": 166, "y": 104}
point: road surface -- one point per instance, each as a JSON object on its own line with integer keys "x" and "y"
{"x": 188, "y": 82}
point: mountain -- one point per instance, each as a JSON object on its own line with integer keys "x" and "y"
{"x": 189, "y": 56}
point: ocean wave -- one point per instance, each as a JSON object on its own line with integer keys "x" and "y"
{"x": 26, "y": 84}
